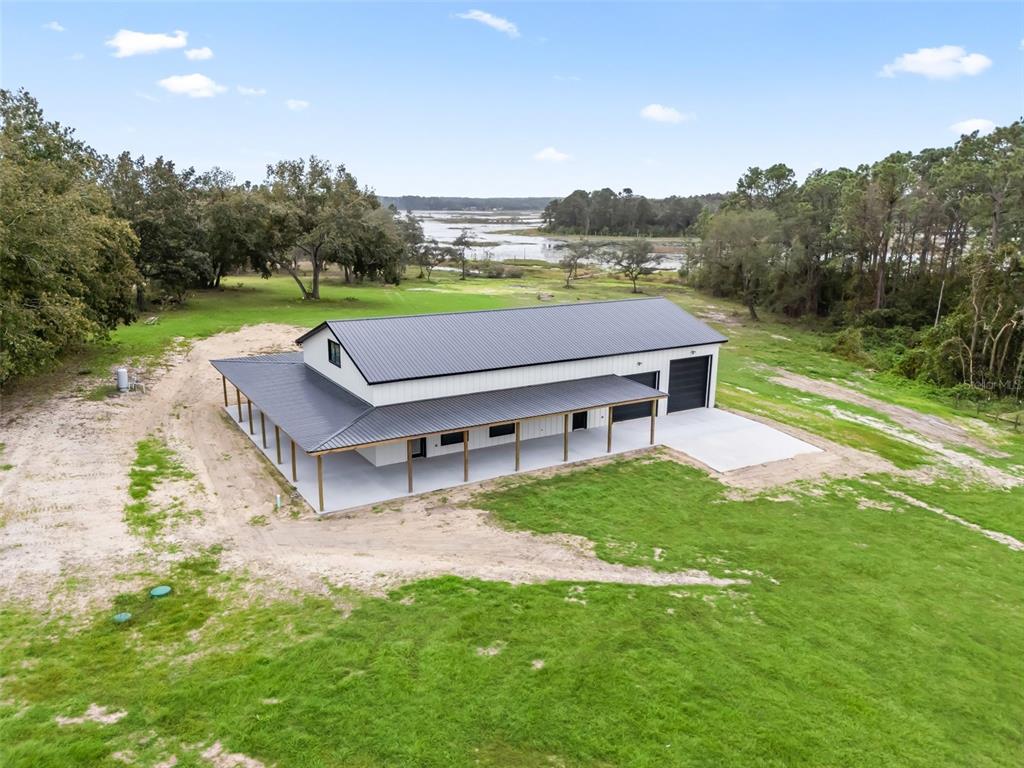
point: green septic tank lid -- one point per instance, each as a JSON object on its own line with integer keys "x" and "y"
{"x": 161, "y": 591}
{"x": 121, "y": 618}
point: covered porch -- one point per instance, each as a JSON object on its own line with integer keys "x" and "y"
{"x": 349, "y": 480}
{"x": 316, "y": 433}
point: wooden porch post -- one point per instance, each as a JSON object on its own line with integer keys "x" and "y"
{"x": 277, "y": 442}
{"x": 610, "y": 422}
{"x": 654, "y": 412}
{"x": 465, "y": 455}
{"x": 320, "y": 479}
{"x": 408, "y": 462}
{"x": 263, "y": 428}
{"x": 295, "y": 475}
{"x": 238, "y": 401}
{"x": 565, "y": 437}
{"x": 248, "y": 405}
{"x": 224, "y": 383}
{"x": 519, "y": 429}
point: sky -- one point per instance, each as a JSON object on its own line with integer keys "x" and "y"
{"x": 517, "y": 99}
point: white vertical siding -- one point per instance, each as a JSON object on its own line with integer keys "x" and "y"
{"x": 622, "y": 365}
{"x": 393, "y": 453}
{"x": 314, "y": 354}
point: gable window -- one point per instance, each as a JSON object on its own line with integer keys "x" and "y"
{"x": 451, "y": 438}
{"x": 500, "y": 430}
{"x": 334, "y": 352}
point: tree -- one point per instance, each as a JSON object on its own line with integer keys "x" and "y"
{"x": 234, "y": 222}
{"x": 316, "y": 210}
{"x": 634, "y": 260}
{"x": 740, "y": 249}
{"x": 66, "y": 262}
{"x": 573, "y": 253}
{"x": 605, "y": 212}
{"x": 163, "y": 207}
{"x": 461, "y": 243}
{"x": 429, "y": 255}
{"x": 411, "y": 233}
{"x": 373, "y": 247}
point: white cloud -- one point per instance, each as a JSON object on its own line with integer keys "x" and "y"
{"x": 245, "y": 91}
{"x": 53, "y": 26}
{"x": 194, "y": 86}
{"x": 551, "y": 155}
{"x": 979, "y": 124}
{"x": 492, "y": 21}
{"x": 146, "y": 96}
{"x": 128, "y": 43}
{"x": 659, "y": 113}
{"x": 942, "y": 63}
{"x": 198, "y": 54}
{"x": 296, "y": 105}
{"x": 76, "y": 57}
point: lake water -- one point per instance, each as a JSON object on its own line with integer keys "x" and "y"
{"x": 486, "y": 227}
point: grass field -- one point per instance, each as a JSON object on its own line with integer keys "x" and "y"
{"x": 864, "y": 637}
{"x": 869, "y": 632}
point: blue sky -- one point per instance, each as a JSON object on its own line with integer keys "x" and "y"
{"x": 520, "y": 98}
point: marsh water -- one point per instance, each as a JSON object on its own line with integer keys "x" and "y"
{"x": 490, "y": 229}
{"x": 485, "y": 227}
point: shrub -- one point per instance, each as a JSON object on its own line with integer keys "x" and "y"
{"x": 496, "y": 269}
{"x": 849, "y": 344}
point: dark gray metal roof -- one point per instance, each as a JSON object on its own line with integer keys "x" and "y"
{"x": 307, "y": 406}
{"x": 320, "y": 415}
{"x": 386, "y": 349}
{"x": 447, "y": 414}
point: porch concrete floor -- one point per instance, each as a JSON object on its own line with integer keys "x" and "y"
{"x": 721, "y": 440}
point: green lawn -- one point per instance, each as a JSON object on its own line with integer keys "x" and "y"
{"x": 871, "y": 632}
{"x": 865, "y": 637}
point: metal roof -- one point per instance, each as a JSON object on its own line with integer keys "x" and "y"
{"x": 449, "y": 414}
{"x": 320, "y": 415}
{"x": 387, "y": 349}
{"x": 307, "y": 406}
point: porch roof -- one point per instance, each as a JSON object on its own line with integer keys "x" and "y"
{"x": 308, "y": 406}
{"x": 322, "y": 416}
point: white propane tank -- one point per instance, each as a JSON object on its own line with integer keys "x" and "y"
{"x": 122, "y": 379}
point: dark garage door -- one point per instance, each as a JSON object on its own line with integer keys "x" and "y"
{"x": 636, "y": 410}
{"x": 688, "y": 383}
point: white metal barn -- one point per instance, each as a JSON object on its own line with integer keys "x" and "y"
{"x": 389, "y": 391}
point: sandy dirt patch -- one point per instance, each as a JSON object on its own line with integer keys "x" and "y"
{"x": 935, "y": 428}
{"x": 64, "y": 500}
{"x": 94, "y": 714}
{"x": 1002, "y": 538}
{"x": 491, "y": 650}
{"x": 218, "y": 757}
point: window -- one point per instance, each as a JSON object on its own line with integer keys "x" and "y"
{"x": 500, "y": 430}
{"x": 451, "y": 438}
{"x": 334, "y": 352}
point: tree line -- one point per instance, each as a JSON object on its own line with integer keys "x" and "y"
{"x": 420, "y": 203}
{"x": 87, "y": 241}
{"x": 918, "y": 254}
{"x": 604, "y": 212}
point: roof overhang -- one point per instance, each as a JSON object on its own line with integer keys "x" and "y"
{"x": 421, "y": 418}
{"x": 323, "y": 417}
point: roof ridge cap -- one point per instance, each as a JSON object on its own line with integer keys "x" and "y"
{"x": 498, "y": 309}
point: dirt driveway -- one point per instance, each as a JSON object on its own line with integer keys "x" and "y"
{"x": 64, "y": 497}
